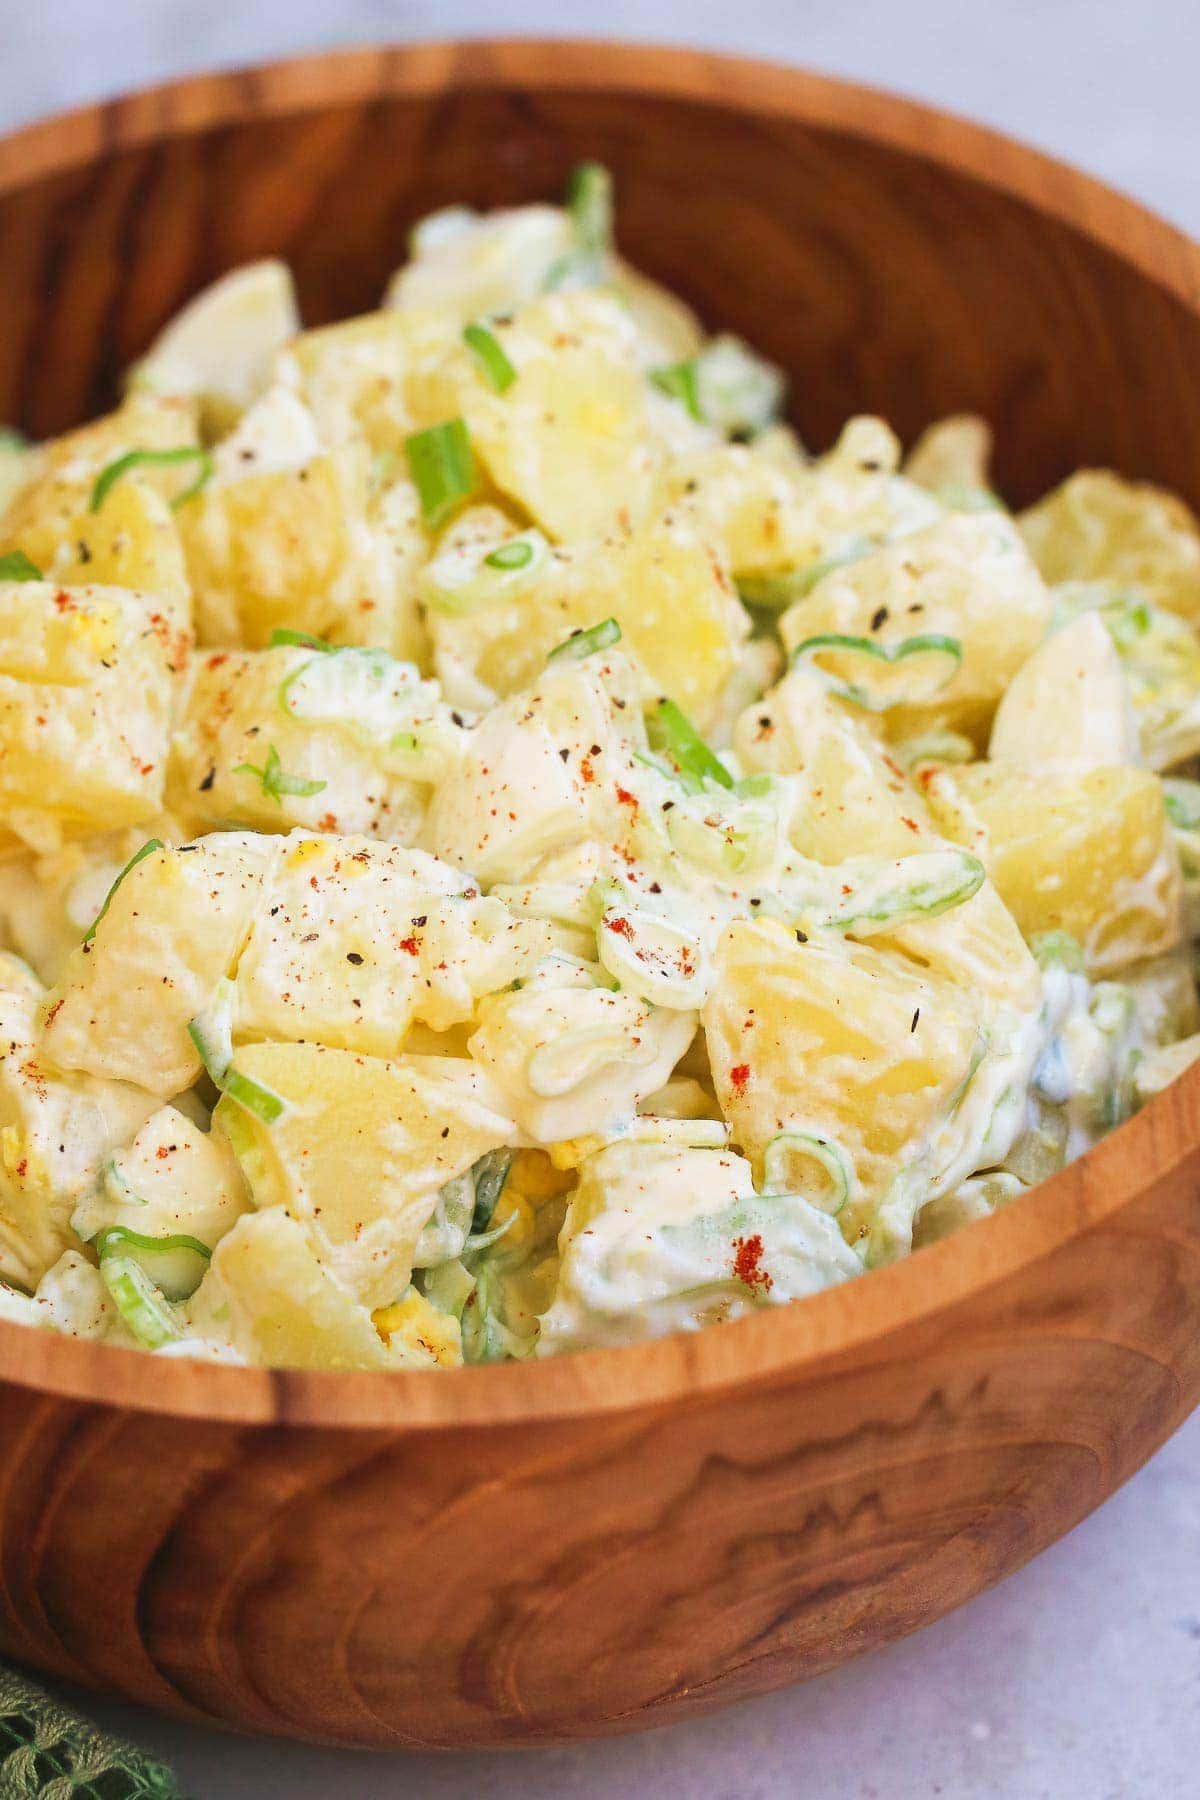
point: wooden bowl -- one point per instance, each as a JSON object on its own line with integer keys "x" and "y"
{"x": 519, "y": 1554}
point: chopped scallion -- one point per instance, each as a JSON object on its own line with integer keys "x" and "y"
{"x": 678, "y": 381}
{"x": 581, "y": 644}
{"x": 517, "y": 554}
{"x": 143, "y": 1307}
{"x": 105, "y": 1242}
{"x": 275, "y": 780}
{"x": 147, "y": 848}
{"x": 16, "y": 566}
{"x": 443, "y": 469}
{"x": 933, "y": 653}
{"x": 253, "y": 1096}
{"x": 590, "y": 204}
{"x": 303, "y": 640}
{"x": 489, "y": 353}
{"x": 134, "y": 459}
{"x": 672, "y": 734}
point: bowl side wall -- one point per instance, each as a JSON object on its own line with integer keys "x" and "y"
{"x": 880, "y": 278}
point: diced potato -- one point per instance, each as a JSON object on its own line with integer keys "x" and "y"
{"x": 219, "y": 348}
{"x": 570, "y": 1056}
{"x": 172, "y": 931}
{"x": 841, "y": 1041}
{"x": 55, "y": 1132}
{"x": 133, "y": 543}
{"x": 967, "y": 578}
{"x": 236, "y": 712}
{"x": 269, "y": 1296}
{"x": 515, "y": 796}
{"x": 1088, "y": 852}
{"x": 570, "y": 439}
{"x": 855, "y": 793}
{"x": 42, "y": 515}
{"x": 360, "y": 1150}
{"x": 71, "y": 1297}
{"x": 952, "y": 456}
{"x": 1160, "y": 654}
{"x": 355, "y": 939}
{"x": 665, "y": 586}
{"x": 781, "y": 523}
{"x": 281, "y": 537}
{"x": 1099, "y": 527}
{"x": 658, "y": 1239}
{"x": 172, "y": 1180}
{"x": 465, "y": 266}
{"x": 48, "y": 901}
{"x": 1070, "y": 703}
{"x": 362, "y": 378}
{"x": 84, "y": 702}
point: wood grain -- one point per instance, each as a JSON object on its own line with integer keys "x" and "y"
{"x": 522, "y": 1554}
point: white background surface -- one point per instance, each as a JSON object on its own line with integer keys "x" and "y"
{"x": 1079, "y": 1679}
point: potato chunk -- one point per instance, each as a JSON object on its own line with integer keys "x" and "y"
{"x": 1086, "y": 851}
{"x": 84, "y": 704}
{"x": 842, "y": 1041}
{"x": 173, "y": 929}
{"x": 968, "y": 579}
{"x": 665, "y": 585}
{"x": 356, "y": 939}
{"x": 269, "y": 1297}
{"x": 360, "y": 1150}
{"x": 274, "y": 739}
{"x": 1099, "y": 527}
{"x": 55, "y": 1132}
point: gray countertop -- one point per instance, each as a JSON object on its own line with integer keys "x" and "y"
{"x": 1078, "y": 1679}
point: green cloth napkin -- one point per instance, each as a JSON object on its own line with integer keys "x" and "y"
{"x": 49, "y": 1752}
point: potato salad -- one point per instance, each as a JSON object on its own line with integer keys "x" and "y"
{"x": 504, "y": 850}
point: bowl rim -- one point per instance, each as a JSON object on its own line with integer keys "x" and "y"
{"x": 808, "y": 1340}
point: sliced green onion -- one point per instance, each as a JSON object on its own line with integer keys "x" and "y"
{"x": 212, "y": 1032}
{"x": 138, "y": 856}
{"x": 1182, "y": 801}
{"x": 489, "y": 1175}
{"x": 778, "y": 591}
{"x": 582, "y": 644}
{"x": 678, "y": 381}
{"x": 16, "y": 566}
{"x": 303, "y": 640}
{"x": 1057, "y": 950}
{"x": 134, "y": 459}
{"x": 516, "y": 554}
{"x": 672, "y": 733}
{"x": 118, "y": 1186}
{"x": 482, "y": 1240}
{"x": 958, "y": 497}
{"x": 146, "y": 1311}
{"x": 941, "y": 655}
{"x": 489, "y": 353}
{"x": 788, "y": 1147}
{"x": 104, "y": 1241}
{"x": 253, "y": 1096}
{"x": 12, "y": 439}
{"x": 443, "y": 468}
{"x": 590, "y": 204}
{"x": 276, "y": 782}
{"x": 889, "y": 894}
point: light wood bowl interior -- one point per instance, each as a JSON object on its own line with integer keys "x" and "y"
{"x": 528, "y": 1553}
